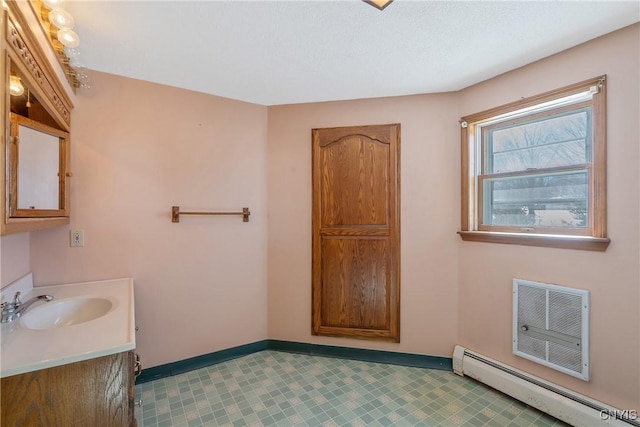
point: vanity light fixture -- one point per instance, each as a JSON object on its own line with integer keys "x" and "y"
{"x": 68, "y": 38}
{"x": 52, "y": 4}
{"x": 378, "y": 4}
{"x": 15, "y": 86}
{"x": 64, "y": 41}
{"x": 64, "y": 22}
{"x": 61, "y": 19}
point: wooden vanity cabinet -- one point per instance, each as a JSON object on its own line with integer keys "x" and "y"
{"x": 97, "y": 392}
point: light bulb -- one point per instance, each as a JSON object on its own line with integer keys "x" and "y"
{"x": 68, "y": 38}
{"x": 15, "y": 86}
{"x": 61, "y": 19}
{"x": 52, "y": 4}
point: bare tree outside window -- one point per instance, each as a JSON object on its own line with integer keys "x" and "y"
{"x": 534, "y": 170}
{"x": 534, "y": 193}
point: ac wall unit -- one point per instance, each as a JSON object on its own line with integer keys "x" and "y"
{"x": 551, "y": 326}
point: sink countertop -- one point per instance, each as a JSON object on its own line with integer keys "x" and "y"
{"x": 25, "y": 350}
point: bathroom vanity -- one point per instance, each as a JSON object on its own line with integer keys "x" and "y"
{"x": 94, "y": 392}
{"x": 71, "y": 361}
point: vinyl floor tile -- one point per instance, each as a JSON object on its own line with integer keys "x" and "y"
{"x": 272, "y": 388}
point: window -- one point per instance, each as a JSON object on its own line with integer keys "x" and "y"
{"x": 533, "y": 172}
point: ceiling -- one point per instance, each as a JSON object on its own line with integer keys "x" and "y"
{"x": 287, "y": 52}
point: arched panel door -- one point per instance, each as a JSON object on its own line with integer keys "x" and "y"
{"x": 356, "y": 232}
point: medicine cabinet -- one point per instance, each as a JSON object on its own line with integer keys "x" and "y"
{"x": 38, "y": 159}
{"x": 36, "y": 125}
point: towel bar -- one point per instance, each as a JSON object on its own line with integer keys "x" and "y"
{"x": 175, "y": 214}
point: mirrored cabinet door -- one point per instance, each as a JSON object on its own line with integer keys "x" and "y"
{"x": 38, "y": 160}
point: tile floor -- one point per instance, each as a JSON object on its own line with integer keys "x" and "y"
{"x": 272, "y": 388}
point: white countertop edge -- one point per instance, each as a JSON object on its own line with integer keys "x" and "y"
{"x": 101, "y": 350}
{"x": 66, "y": 360}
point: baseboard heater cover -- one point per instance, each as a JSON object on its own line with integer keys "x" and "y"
{"x": 559, "y": 402}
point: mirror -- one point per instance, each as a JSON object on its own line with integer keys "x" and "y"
{"x": 37, "y": 156}
{"x": 37, "y": 159}
{"x": 38, "y": 171}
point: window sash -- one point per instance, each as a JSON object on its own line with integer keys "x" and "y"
{"x": 485, "y": 166}
{"x": 486, "y": 134}
{"x": 589, "y": 93}
{"x": 486, "y": 208}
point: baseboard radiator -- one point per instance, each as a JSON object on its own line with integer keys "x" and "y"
{"x": 559, "y": 402}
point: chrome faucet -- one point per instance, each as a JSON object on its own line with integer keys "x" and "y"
{"x": 13, "y": 310}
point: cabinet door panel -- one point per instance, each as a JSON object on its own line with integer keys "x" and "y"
{"x": 356, "y": 232}
{"x": 93, "y": 392}
{"x": 355, "y": 174}
{"x": 355, "y": 279}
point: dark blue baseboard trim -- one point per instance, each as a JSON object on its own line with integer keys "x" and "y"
{"x": 198, "y": 362}
{"x": 378, "y": 356}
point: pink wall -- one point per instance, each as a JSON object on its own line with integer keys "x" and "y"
{"x": 486, "y": 270}
{"x": 138, "y": 149}
{"x": 460, "y": 292}
{"x": 430, "y": 214}
{"x": 14, "y": 257}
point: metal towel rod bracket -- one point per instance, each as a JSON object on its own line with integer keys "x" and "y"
{"x": 175, "y": 214}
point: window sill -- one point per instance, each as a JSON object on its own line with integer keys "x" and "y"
{"x": 599, "y": 244}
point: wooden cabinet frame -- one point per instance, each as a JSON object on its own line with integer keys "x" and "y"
{"x": 356, "y": 232}
{"x": 63, "y": 162}
{"x": 22, "y": 48}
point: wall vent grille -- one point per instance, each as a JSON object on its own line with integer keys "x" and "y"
{"x": 551, "y": 326}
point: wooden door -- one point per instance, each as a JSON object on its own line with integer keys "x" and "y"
{"x": 356, "y": 232}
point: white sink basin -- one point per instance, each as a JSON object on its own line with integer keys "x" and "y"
{"x": 65, "y": 312}
{"x": 83, "y": 321}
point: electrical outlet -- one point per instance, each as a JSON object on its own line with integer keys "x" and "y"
{"x": 77, "y": 238}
